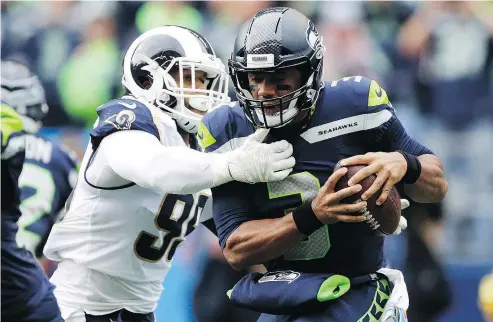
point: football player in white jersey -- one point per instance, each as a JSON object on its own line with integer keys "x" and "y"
{"x": 142, "y": 186}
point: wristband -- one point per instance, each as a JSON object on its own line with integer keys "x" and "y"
{"x": 305, "y": 219}
{"x": 413, "y": 168}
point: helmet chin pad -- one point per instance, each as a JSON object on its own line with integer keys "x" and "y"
{"x": 188, "y": 121}
{"x": 200, "y": 103}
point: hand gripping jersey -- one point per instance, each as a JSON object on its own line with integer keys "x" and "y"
{"x": 46, "y": 181}
{"x": 125, "y": 234}
{"x": 353, "y": 116}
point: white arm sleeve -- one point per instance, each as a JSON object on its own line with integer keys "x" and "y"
{"x": 139, "y": 157}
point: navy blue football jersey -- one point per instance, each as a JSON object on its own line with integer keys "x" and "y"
{"x": 353, "y": 116}
{"x": 121, "y": 114}
{"x": 48, "y": 177}
{"x": 24, "y": 284}
{"x": 13, "y": 153}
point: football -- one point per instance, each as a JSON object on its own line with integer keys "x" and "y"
{"x": 384, "y": 218}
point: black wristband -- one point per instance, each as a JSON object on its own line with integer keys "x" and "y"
{"x": 413, "y": 168}
{"x": 305, "y": 219}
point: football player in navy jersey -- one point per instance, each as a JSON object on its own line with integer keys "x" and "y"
{"x": 50, "y": 170}
{"x": 27, "y": 295}
{"x": 324, "y": 262}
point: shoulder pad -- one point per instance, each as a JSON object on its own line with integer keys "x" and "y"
{"x": 377, "y": 98}
{"x": 349, "y": 105}
{"x": 222, "y": 129}
{"x": 12, "y": 131}
{"x": 361, "y": 94}
{"x": 122, "y": 114}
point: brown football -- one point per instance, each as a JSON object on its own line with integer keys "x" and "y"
{"x": 384, "y": 218}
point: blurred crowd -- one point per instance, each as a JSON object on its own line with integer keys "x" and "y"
{"x": 433, "y": 58}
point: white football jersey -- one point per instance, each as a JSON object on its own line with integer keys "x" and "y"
{"x": 117, "y": 239}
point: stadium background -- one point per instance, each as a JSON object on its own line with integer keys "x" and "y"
{"x": 433, "y": 58}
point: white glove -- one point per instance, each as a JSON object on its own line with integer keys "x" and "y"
{"x": 255, "y": 161}
{"x": 402, "y": 221}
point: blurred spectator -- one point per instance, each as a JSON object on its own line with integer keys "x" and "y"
{"x": 46, "y": 41}
{"x": 155, "y": 14}
{"x": 125, "y": 22}
{"x": 384, "y": 19}
{"x": 350, "y": 49}
{"x": 452, "y": 42}
{"x": 224, "y": 20}
{"x": 19, "y": 22}
{"x": 91, "y": 76}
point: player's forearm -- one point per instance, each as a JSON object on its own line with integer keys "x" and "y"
{"x": 431, "y": 185}
{"x": 258, "y": 241}
{"x": 140, "y": 158}
{"x": 173, "y": 170}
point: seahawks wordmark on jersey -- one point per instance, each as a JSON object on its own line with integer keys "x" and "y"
{"x": 353, "y": 116}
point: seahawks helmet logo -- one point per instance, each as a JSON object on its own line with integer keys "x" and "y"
{"x": 122, "y": 120}
{"x": 280, "y": 276}
{"x": 312, "y": 36}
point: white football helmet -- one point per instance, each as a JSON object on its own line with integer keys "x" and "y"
{"x": 159, "y": 51}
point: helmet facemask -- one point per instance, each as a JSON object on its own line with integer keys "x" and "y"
{"x": 274, "y": 40}
{"x": 174, "y": 96}
{"x": 277, "y": 111}
{"x": 156, "y": 65}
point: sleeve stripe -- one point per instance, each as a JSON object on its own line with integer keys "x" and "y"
{"x": 374, "y": 120}
{"x": 345, "y": 126}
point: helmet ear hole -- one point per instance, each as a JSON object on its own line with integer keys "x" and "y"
{"x": 145, "y": 82}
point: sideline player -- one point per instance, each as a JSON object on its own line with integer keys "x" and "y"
{"x": 50, "y": 171}
{"x": 27, "y": 295}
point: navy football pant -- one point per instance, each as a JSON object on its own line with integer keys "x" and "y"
{"x": 362, "y": 303}
{"x": 27, "y": 295}
{"x": 47, "y": 311}
{"x": 121, "y": 316}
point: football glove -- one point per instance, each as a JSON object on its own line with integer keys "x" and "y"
{"x": 255, "y": 161}
{"x": 402, "y": 221}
